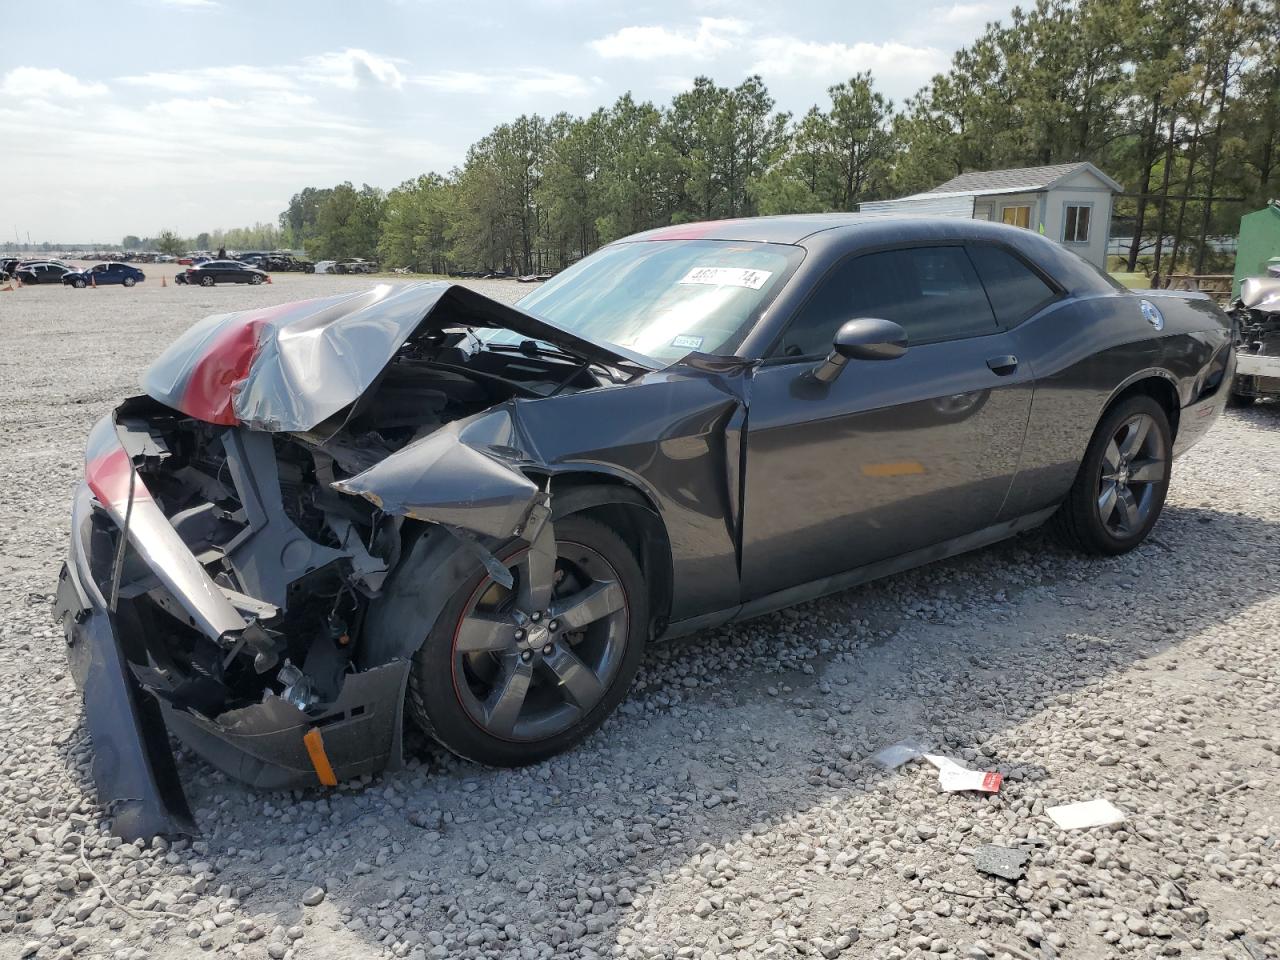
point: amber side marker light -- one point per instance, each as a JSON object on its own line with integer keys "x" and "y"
{"x": 319, "y": 759}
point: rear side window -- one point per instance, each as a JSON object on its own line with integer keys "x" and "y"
{"x": 1015, "y": 290}
{"x": 933, "y": 292}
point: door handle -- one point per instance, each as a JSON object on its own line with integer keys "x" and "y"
{"x": 1003, "y": 366}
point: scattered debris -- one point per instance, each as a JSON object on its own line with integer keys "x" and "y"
{"x": 896, "y": 754}
{"x": 953, "y": 777}
{"x": 1089, "y": 813}
{"x": 1006, "y": 862}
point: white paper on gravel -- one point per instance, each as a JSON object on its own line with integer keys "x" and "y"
{"x": 952, "y": 777}
{"x": 1089, "y": 813}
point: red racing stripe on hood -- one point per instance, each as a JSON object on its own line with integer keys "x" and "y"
{"x": 208, "y": 394}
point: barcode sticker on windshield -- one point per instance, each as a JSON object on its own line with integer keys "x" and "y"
{"x": 687, "y": 342}
{"x": 728, "y": 277}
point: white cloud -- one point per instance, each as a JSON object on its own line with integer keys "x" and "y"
{"x": 37, "y": 83}
{"x": 831, "y": 62}
{"x": 199, "y": 79}
{"x": 353, "y": 68}
{"x": 529, "y": 81}
{"x": 966, "y": 14}
{"x": 712, "y": 35}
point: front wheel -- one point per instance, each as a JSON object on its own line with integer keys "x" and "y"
{"x": 1120, "y": 488}
{"x": 79, "y": 284}
{"x": 254, "y": 279}
{"x": 206, "y": 281}
{"x": 513, "y": 676}
{"x": 129, "y": 281}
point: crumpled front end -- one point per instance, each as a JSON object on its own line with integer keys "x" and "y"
{"x": 212, "y": 614}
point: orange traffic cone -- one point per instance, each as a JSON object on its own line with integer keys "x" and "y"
{"x": 163, "y": 282}
{"x": 7, "y": 288}
{"x": 93, "y": 281}
{"x": 268, "y": 278}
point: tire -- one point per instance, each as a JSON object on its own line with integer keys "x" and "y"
{"x": 1090, "y": 524}
{"x": 79, "y": 284}
{"x": 449, "y": 689}
{"x": 129, "y": 281}
{"x": 254, "y": 279}
{"x": 206, "y": 281}
{"x": 1240, "y": 400}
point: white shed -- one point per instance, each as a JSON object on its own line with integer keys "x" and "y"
{"x": 1069, "y": 202}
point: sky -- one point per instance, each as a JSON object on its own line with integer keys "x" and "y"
{"x": 198, "y": 114}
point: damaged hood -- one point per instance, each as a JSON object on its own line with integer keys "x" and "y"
{"x": 291, "y": 367}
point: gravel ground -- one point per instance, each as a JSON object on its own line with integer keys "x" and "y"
{"x": 728, "y": 809}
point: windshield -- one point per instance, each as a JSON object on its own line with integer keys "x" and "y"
{"x": 665, "y": 298}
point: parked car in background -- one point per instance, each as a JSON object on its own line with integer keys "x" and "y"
{"x": 324, "y": 266}
{"x": 42, "y": 271}
{"x": 1257, "y": 316}
{"x": 224, "y": 271}
{"x": 416, "y": 502}
{"x": 104, "y": 274}
{"x": 355, "y": 265}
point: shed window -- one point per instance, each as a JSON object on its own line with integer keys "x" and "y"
{"x": 1019, "y": 216}
{"x": 1075, "y": 227}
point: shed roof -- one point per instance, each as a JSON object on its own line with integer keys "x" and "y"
{"x": 1020, "y": 178}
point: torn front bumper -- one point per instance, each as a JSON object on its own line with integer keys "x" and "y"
{"x": 122, "y": 660}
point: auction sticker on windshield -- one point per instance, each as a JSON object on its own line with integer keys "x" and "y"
{"x": 728, "y": 277}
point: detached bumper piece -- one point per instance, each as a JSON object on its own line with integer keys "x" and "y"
{"x": 161, "y": 642}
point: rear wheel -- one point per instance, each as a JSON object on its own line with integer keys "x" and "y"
{"x": 513, "y": 676}
{"x": 1120, "y": 489}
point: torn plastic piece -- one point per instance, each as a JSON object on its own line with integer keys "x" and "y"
{"x": 896, "y": 754}
{"x": 1088, "y": 813}
{"x": 1003, "y": 862}
{"x": 953, "y": 777}
{"x": 495, "y": 567}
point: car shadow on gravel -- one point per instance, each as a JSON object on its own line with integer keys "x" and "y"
{"x": 728, "y": 733}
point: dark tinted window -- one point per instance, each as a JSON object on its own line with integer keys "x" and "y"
{"x": 1016, "y": 292}
{"x": 933, "y": 292}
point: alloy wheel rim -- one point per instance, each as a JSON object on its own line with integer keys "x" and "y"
{"x": 530, "y": 662}
{"x": 1133, "y": 467}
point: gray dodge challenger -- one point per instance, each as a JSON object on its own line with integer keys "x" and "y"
{"x": 413, "y": 501}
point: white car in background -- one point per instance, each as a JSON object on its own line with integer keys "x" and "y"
{"x": 325, "y": 266}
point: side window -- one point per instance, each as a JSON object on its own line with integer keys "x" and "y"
{"x": 1015, "y": 290}
{"x": 933, "y": 292}
{"x": 1075, "y": 225}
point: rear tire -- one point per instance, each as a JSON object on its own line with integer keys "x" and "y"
{"x": 458, "y": 683}
{"x": 1120, "y": 488}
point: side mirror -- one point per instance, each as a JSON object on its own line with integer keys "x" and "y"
{"x": 868, "y": 338}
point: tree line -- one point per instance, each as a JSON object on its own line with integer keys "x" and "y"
{"x": 1179, "y": 100}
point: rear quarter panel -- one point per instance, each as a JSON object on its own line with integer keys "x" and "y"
{"x": 1086, "y": 351}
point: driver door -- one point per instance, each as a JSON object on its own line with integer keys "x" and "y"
{"x": 894, "y": 455}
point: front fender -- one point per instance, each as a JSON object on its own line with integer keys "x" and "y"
{"x": 467, "y": 474}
